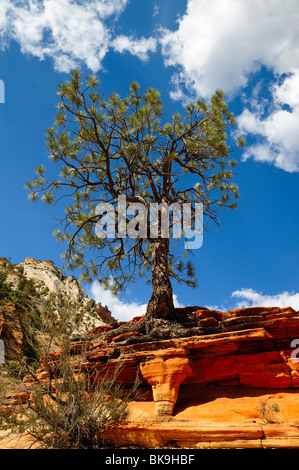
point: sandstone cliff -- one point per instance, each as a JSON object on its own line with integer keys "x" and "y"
{"x": 34, "y": 295}
{"x": 209, "y": 390}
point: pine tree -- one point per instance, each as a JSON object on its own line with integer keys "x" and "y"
{"x": 115, "y": 147}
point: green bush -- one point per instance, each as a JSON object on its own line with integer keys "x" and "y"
{"x": 268, "y": 412}
{"x": 5, "y": 289}
{"x": 21, "y": 284}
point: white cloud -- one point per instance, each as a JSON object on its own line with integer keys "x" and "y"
{"x": 215, "y": 307}
{"x": 138, "y": 47}
{"x": 121, "y": 310}
{"x": 217, "y": 44}
{"x": 156, "y": 10}
{"x": 251, "y": 298}
{"x": 279, "y": 129}
{"x": 221, "y": 45}
{"x": 68, "y": 31}
{"x": 4, "y": 7}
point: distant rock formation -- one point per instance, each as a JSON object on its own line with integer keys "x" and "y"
{"x": 45, "y": 273}
{"x": 10, "y": 330}
{"x": 35, "y": 291}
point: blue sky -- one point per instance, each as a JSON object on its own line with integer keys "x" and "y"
{"x": 186, "y": 49}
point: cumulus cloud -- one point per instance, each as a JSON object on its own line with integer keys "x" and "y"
{"x": 120, "y": 309}
{"x": 68, "y": 31}
{"x": 251, "y": 298}
{"x": 222, "y": 45}
{"x": 216, "y": 44}
{"x": 138, "y": 47}
{"x": 278, "y": 131}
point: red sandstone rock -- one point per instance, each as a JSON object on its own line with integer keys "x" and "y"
{"x": 136, "y": 320}
{"x": 207, "y": 321}
{"x": 204, "y": 313}
{"x": 100, "y": 329}
{"x": 251, "y": 348}
{"x": 238, "y": 312}
{"x": 104, "y": 314}
{"x": 10, "y": 330}
{"x": 165, "y": 371}
{"x": 124, "y": 336}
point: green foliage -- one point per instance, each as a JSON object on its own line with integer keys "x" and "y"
{"x": 70, "y": 410}
{"x": 268, "y": 412}
{"x": 30, "y": 317}
{"x": 107, "y": 147}
{"x": 21, "y": 284}
{"x": 16, "y": 369}
{"x": 5, "y": 289}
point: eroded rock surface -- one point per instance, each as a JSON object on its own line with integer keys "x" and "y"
{"x": 238, "y": 354}
{"x": 34, "y": 293}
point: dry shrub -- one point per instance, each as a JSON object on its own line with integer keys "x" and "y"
{"x": 70, "y": 410}
{"x": 267, "y": 412}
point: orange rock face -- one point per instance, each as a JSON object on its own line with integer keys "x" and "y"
{"x": 216, "y": 377}
{"x": 165, "y": 371}
{"x": 10, "y": 331}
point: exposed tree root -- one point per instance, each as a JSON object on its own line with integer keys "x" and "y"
{"x": 147, "y": 329}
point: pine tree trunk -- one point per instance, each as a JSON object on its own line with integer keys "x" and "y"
{"x": 161, "y": 302}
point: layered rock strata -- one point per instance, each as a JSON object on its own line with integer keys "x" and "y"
{"x": 241, "y": 349}
{"x": 37, "y": 293}
{"x": 255, "y": 354}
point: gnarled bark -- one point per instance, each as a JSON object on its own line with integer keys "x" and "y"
{"x": 161, "y": 301}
